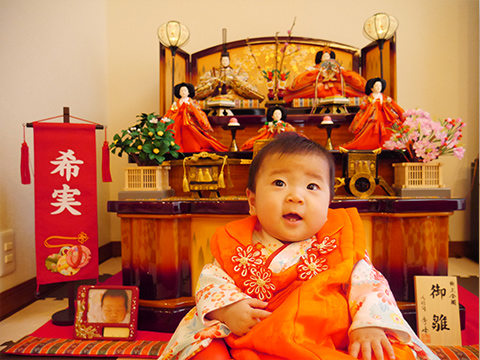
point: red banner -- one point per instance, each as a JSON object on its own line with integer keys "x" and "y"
{"x": 66, "y": 233}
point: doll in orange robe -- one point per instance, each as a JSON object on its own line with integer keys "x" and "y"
{"x": 293, "y": 281}
{"x": 275, "y": 124}
{"x": 371, "y": 125}
{"x": 191, "y": 124}
{"x": 327, "y": 78}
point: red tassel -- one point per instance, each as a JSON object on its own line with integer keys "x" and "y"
{"x": 106, "y": 176}
{"x": 24, "y": 169}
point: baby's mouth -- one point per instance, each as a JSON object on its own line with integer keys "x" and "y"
{"x": 292, "y": 217}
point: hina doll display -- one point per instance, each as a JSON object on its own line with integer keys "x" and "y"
{"x": 377, "y": 114}
{"x": 226, "y": 83}
{"x": 275, "y": 124}
{"x": 191, "y": 124}
{"x": 326, "y": 79}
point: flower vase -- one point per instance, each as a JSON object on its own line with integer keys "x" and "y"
{"x": 281, "y": 94}
{"x": 270, "y": 94}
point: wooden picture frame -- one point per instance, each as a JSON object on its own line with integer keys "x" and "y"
{"x": 106, "y": 312}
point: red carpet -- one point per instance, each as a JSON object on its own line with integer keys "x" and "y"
{"x": 51, "y": 331}
{"x": 470, "y": 335}
{"x": 149, "y": 344}
{"x": 470, "y": 301}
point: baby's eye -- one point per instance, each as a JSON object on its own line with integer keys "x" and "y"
{"x": 279, "y": 183}
{"x": 313, "y": 187}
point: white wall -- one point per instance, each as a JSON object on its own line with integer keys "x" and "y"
{"x": 437, "y": 57}
{"x": 53, "y": 54}
{"x": 100, "y": 57}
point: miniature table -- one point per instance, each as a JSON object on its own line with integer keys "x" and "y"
{"x": 166, "y": 243}
{"x": 233, "y": 130}
{"x": 329, "y": 128}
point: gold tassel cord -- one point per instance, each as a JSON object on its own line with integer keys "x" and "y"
{"x": 186, "y": 188}
{"x": 200, "y": 175}
{"x": 81, "y": 238}
{"x": 206, "y": 176}
{"x": 221, "y": 178}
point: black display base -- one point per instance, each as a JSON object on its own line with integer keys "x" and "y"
{"x": 67, "y": 317}
{"x": 63, "y": 318}
{"x": 161, "y": 319}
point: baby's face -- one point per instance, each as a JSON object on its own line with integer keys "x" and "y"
{"x": 292, "y": 196}
{"x": 113, "y": 309}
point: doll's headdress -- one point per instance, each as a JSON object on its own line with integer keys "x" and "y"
{"x": 224, "y": 44}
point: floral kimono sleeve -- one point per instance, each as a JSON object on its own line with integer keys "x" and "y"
{"x": 215, "y": 289}
{"x": 372, "y": 304}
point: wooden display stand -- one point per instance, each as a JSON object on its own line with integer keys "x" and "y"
{"x": 166, "y": 243}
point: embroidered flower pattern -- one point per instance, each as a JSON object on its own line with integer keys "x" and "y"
{"x": 246, "y": 258}
{"x": 310, "y": 266}
{"x": 325, "y": 246}
{"x": 250, "y": 263}
{"x": 259, "y": 283}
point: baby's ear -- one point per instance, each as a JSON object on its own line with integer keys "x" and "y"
{"x": 252, "y": 210}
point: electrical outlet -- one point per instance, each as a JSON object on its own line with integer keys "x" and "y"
{"x": 7, "y": 252}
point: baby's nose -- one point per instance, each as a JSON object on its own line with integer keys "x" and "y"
{"x": 295, "y": 197}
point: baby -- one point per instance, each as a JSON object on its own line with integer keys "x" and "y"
{"x": 293, "y": 281}
{"x": 114, "y": 305}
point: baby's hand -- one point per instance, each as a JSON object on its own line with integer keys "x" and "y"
{"x": 368, "y": 340}
{"x": 241, "y": 316}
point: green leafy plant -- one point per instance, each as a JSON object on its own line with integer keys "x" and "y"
{"x": 147, "y": 142}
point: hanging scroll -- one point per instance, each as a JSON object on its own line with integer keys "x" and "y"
{"x": 66, "y": 232}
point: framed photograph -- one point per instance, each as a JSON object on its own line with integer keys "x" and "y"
{"x": 106, "y": 312}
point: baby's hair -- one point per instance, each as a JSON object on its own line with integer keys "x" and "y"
{"x": 290, "y": 143}
{"x": 116, "y": 293}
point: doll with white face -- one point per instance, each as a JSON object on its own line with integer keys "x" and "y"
{"x": 372, "y": 124}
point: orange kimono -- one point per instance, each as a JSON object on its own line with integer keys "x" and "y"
{"x": 192, "y": 128}
{"x": 318, "y": 290}
{"x": 372, "y": 123}
{"x": 327, "y": 76}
